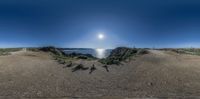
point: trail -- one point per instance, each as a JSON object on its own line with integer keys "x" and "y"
{"x": 157, "y": 74}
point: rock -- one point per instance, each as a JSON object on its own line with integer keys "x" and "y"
{"x": 150, "y": 84}
{"x": 79, "y": 67}
{"x": 68, "y": 65}
{"x": 61, "y": 61}
{"x": 93, "y": 68}
{"x": 106, "y": 67}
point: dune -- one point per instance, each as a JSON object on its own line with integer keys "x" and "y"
{"x": 158, "y": 74}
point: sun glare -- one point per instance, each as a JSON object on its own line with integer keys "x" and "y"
{"x": 101, "y": 36}
{"x": 100, "y": 52}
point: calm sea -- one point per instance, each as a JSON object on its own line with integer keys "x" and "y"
{"x": 99, "y": 53}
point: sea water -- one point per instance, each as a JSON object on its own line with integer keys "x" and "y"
{"x": 99, "y": 52}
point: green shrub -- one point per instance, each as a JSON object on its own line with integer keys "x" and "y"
{"x": 192, "y": 51}
{"x": 33, "y": 49}
{"x": 53, "y": 50}
{"x": 142, "y": 51}
{"x": 62, "y": 57}
{"x": 120, "y": 54}
{"x": 6, "y": 51}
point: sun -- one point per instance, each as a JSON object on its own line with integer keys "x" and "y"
{"x": 101, "y": 36}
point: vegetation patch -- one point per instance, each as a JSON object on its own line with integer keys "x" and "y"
{"x": 33, "y": 49}
{"x": 116, "y": 56}
{"x": 80, "y": 56}
{"x": 191, "y": 51}
{"x": 62, "y": 57}
{"x": 6, "y": 51}
{"x": 122, "y": 53}
{"x": 53, "y": 50}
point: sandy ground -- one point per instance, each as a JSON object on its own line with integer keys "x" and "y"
{"x": 159, "y": 74}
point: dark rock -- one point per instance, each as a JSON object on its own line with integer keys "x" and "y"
{"x": 142, "y": 51}
{"x": 93, "y": 68}
{"x": 61, "y": 61}
{"x": 68, "y": 65}
{"x": 79, "y": 67}
{"x": 106, "y": 67}
{"x": 82, "y": 57}
{"x": 150, "y": 84}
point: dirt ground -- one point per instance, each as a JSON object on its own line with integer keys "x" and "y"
{"x": 159, "y": 74}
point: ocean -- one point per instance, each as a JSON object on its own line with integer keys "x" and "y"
{"x": 99, "y": 53}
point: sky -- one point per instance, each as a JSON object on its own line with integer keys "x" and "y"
{"x": 77, "y": 23}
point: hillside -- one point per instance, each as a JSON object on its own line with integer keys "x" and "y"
{"x": 156, "y": 74}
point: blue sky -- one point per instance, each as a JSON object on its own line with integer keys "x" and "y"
{"x": 76, "y": 23}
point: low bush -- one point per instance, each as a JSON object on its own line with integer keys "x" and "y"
{"x": 120, "y": 54}
{"x": 6, "y": 51}
{"x": 33, "y": 49}
{"x": 62, "y": 57}
{"x": 192, "y": 51}
{"x": 53, "y": 50}
{"x": 142, "y": 51}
